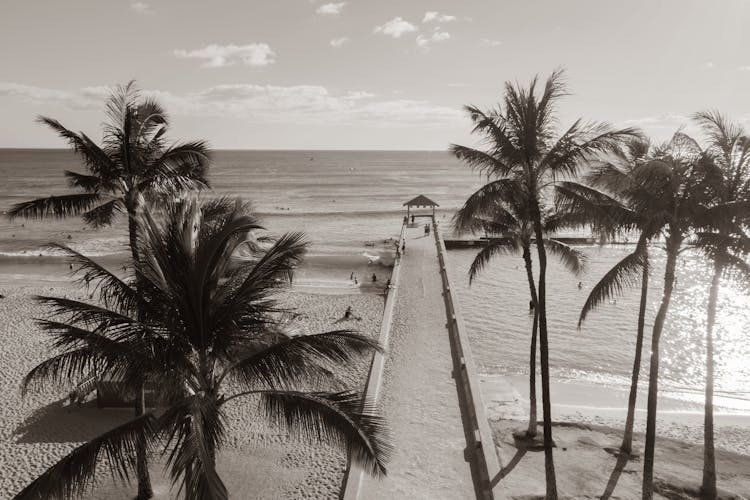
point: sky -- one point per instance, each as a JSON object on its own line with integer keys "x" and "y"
{"x": 359, "y": 74}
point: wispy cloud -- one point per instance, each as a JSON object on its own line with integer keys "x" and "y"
{"x": 486, "y": 42}
{"x": 395, "y": 27}
{"x": 141, "y": 8}
{"x": 743, "y": 68}
{"x": 330, "y": 9}
{"x": 295, "y": 104}
{"x": 338, "y": 42}
{"x": 425, "y": 41}
{"x": 217, "y": 56}
{"x": 82, "y": 99}
{"x": 437, "y": 17}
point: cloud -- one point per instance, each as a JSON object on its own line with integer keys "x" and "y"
{"x": 331, "y": 9}
{"x": 486, "y": 42}
{"x": 743, "y": 68}
{"x": 141, "y": 8}
{"x": 709, "y": 65}
{"x": 338, "y": 42}
{"x": 395, "y": 27}
{"x": 432, "y": 16}
{"x": 424, "y": 41}
{"x": 294, "y": 104}
{"x": 217, "y": 56}
{"x": 87, "y": 98}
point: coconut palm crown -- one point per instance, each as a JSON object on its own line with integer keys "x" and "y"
{"x": 208, "y": 332}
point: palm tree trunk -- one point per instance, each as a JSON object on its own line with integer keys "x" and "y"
{"x": 144, "y": 480}
{"x": 673, "y": 245}
{"x": 531, "y": 432}
{"x": 549, "y": 464}
{"x": 708, "y": 488}
{"x": 627, "y": 439}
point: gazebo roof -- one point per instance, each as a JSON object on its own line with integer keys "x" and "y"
{"x": 421, "y": 201}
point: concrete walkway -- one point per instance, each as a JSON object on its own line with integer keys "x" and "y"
{"x": 419, "y": 397}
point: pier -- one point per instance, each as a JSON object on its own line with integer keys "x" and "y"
{"x": 426, "y": 386}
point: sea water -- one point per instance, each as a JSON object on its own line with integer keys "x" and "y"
{"x": 349, "y": 203}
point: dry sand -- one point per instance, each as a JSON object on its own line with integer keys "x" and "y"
{"x": 257, "y": 461}
{"x": 589, "y": 421}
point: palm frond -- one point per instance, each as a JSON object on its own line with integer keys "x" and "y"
{"x": 61, "y": 369}
{"x": 301, "y": 358}
{"x": 88, "y": 183}
{"x": 104, "y": 214}
{"x": 95, "y": 159}
{"x": 194, "y": 430}
{"x": 112, "y": 291}
{"x": 494, "y": 248}
{"x": 624, "y": 274}
{"x": 573, "y": 259}
{"x": 339, "y": 419}
{"x": 75, "y": 473}
{"x": 479, "y": 161}
{"x": 488, "y": 202}
{"x": 55, "y": 206}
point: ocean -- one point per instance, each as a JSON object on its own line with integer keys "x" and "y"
{"x": 350, "y": 205}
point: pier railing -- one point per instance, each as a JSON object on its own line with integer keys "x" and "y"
{"x": 486, "y": 459}
{"x": 353, "y": 476}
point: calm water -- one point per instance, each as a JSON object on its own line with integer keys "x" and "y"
{"x": 350, "y": 203}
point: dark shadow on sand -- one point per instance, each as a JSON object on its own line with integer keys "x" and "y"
{"x": 55, "y": 423}
{"x": 520, "y": 452}
{"x": 622, "y": 460}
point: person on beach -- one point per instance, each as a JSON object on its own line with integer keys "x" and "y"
{"x": 412, "y": 219}
{"x": 531, "y": 305}
{"x": 374, "y": 278}
{"x": 348, "y": 313}
{"x": 355, "y": 281}
{"x": 426, "y": 229}
{"x": 403, "y": 247}
{"x": 351, "y": 276}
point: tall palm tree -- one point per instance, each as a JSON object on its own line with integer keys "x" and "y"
{"x": 523, "y": 144}
{"x": 133, "y": 166}
{"x": 208, "y": 332}
{"x": 611, "y": 214}
{"x": 725, "y": 243}
{"x": 671, "y": 187}
{"x": 498, "y": 208}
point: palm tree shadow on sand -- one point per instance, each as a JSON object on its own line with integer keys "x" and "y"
{"x": 622, "y": 460}
{"x": 56, "y": 423}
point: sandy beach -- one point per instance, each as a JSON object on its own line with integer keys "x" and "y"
{"x": 256, "y": 462}
{"x": 589, "y": 422}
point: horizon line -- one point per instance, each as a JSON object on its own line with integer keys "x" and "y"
{"x": 2, "y": 148}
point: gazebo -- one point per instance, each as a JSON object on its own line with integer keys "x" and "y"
{"x": 420, "y": 202}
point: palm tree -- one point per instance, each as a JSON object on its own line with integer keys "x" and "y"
{"x": 208, "y": 331}
{"x": 523, "y": 144}
{"x": 671, "y": 188}
{"x": 498, "y": 208}
{"x": 133, "y": 166}
{"x": 611, "y": 214}
{"x": 724, "y": 239}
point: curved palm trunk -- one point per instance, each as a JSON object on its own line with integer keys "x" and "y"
{"x": 627, "y": 439}
{"x": 549, "y": 464}
{"x": 673, "y": 246}
{"x": 531, "y": 432}
{"x": 144, "y": 479}
{"x": 708, "y": 488}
